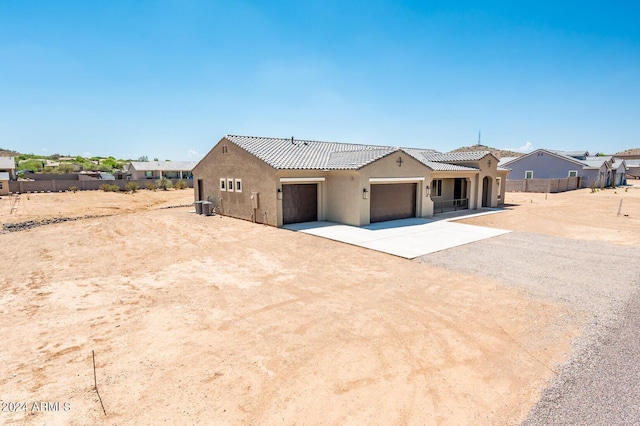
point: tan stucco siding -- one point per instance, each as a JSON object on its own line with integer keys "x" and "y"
{"x": 344, "y": 196}
{"x": 388, "y": 167}
{"x": 4, "y": 187}
{"x": 502, "y": 174}
{"x": 255, "y": 175}
{"x": 488, "y": 167}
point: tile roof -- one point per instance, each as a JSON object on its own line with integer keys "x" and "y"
{"x": 292, "y": 154}
{"x": 458, "y": 156}
{"x": 426, "y": 157}
{"x": 164, "y": 165}
{"x": 284, "y": 153}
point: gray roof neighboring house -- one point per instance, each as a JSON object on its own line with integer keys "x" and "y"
{"x": 295, "y": 154}
{"x": 548, "y": 151}
{"x": 504, "y": 160}
{"x": 163, "y": 165}
{"x": 4, "y": 175}
{"x": 7, "y": 163}
{"x": 579, "y": 155}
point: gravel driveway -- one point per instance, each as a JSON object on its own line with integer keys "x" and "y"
{"x": 600, "y": 383}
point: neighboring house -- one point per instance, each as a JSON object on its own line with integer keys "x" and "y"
{"x": 8, "y": 165}
{"x": 549, "y": 164}
{"x": 4, "y": 183}
{"x": 633, "y": 169}
{"x": 279, "y": 181}
{"x": 159, "y": 169}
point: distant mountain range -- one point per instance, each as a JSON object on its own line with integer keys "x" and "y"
{"x": 632, "y": 151}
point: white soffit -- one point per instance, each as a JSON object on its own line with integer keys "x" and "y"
{"x": 301, "y": 179}
{"x": 396, "y": 179}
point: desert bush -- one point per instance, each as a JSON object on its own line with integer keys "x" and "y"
{"x": 181, "y": 185}
{"x": 132, "y": 186}
{"x": 73, "y": 188}
{"x": 64, "y": 168}
{"x": 109, "y": 188}
{"x": 164, "y": 183}
{"x": 151, "y": 186}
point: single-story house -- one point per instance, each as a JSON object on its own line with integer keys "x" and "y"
{"x": 8, "y": 165}
{"x": 159, "y": 169}
{"x": 633, "y": 169}
{"x": 550, "y": 164}
{"x": 4, "y": 183}
{"x": 277, "y": 181}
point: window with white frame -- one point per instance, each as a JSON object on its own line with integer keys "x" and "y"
{"x": 223, "y": 184}
{"x": 436, "y": 188}
{"x": 528, "y": 174}
{"x": 229, "y": 185}
{"x": 238, "y": 185}
{"x": 573, "y": 173}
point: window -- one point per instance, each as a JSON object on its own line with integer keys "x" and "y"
{"x": 498, "y": 184}
{"x": 573, "y": 173}
{"x": 148, "y": 174}
{"x": 1, "y": 186}
{"x": 222, "y": 184}
{"x": 224, "y": 149}
{"x": 230, "y": 185}
{"x": 436, "y": 188}
{"x": 238, "y": 185}
{"x": 528, "y": 174}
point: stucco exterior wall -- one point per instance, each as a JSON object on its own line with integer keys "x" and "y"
{"x": 344, "y": 197}
{"x": 388, "y": 167}
{"x": 503, "y": 175}
{"x": 256, "y": 176}
{"x": 4, "y": 187}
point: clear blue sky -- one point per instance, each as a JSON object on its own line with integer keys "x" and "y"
{"x": 168, "y": 79}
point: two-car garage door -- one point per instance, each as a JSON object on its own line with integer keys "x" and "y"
{"x": 389, "y": 201}
{"x": 392, "y": 201}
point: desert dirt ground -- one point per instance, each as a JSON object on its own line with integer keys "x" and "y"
{"x": 213, "y": 320}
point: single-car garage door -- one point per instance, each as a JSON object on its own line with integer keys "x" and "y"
{"x": 299, "y": 203}
{"x": 392, "y": 201}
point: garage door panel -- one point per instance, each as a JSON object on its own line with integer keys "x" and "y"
{"x": 299, "y": 203}
{"x": 392, "y": 201}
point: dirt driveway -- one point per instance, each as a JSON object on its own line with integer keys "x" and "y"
{"x": 212, "y": 320}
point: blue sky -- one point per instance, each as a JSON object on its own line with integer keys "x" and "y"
{"x": 168, "y": 79}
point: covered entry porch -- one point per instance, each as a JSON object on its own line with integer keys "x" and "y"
{"x": 451, "y": 194}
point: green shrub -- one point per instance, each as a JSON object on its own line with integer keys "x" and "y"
{"x": 132, "y": 186}
{"x": 181, "y": 185}
{"x": 64, "y": 168}
{"x": 151, "y": 186}
{"x": 164, "y": 183}
{"x": 73, "y": 188}
{"x": 109, "y": 188}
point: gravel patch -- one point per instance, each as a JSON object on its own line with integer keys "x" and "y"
{"x": 29, "y": 224}
{"x": 600, "y": 383}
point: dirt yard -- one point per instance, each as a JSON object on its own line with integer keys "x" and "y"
{"x": 213, "y": 320}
